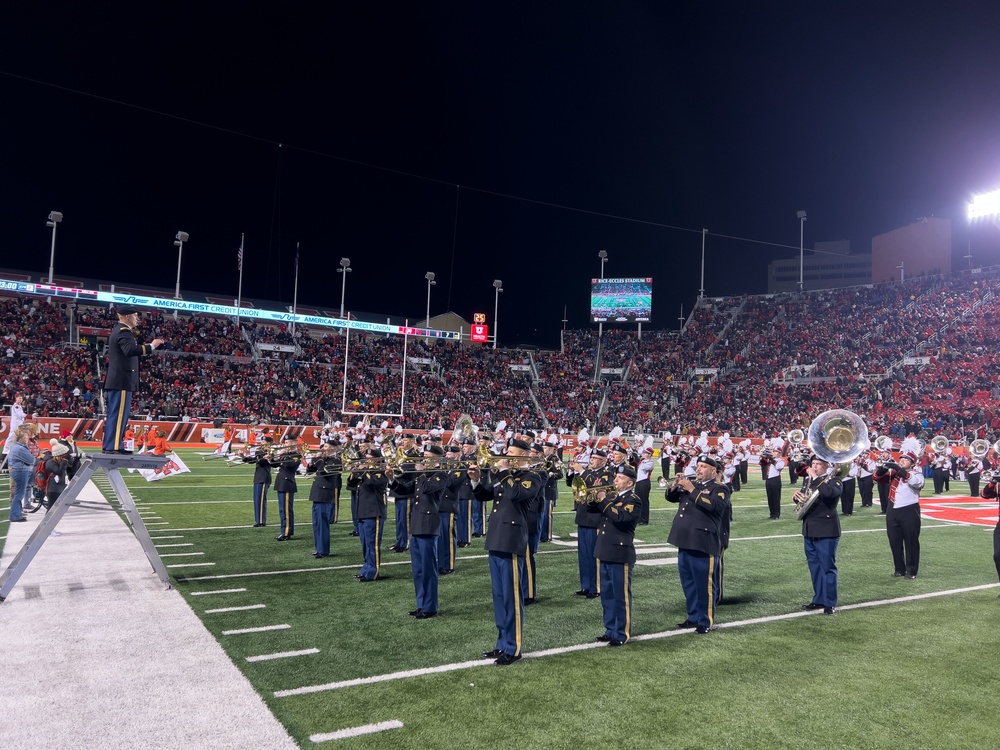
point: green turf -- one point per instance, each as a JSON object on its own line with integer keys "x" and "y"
{"x": 896, "y": 675}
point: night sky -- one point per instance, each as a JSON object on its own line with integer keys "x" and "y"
{"x": 571, "y": 127}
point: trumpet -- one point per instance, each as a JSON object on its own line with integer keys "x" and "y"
{"x": 584, "y": 494}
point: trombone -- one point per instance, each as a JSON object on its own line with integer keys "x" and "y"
{"x": 584, "y": 494}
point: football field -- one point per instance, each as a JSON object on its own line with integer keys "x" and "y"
{"x": 340, "y": 664}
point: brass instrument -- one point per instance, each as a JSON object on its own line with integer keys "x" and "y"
{"x": 987, "y": 476}
{"x": 939, "y": 443}
{"x": 838, "y": 437}
{"x": 979, "y": 448}
{"x": 463, "y": 430}
{"x": 584, "y": 494}
{"x": 487, "y": 460}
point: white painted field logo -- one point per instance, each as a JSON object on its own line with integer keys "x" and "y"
{"x": 961, "y": 510}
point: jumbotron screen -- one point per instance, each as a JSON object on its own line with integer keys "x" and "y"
{"x": 621, "y": 300}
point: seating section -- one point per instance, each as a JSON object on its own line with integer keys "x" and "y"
{"x": 924, "y": 353}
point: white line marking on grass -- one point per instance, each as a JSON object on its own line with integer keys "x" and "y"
{"x": 190, "y": 565}
{"x": 283, "y": 655}
{"x": 159, "y": 523}
{"x": 158, "y": 538}
{"x": 588, "y": 646}
{"x": 843, "y": 531}
{"x": 235, "y": 609}
{"x": 382, "y": 726}
{"x": 183, "y": 554}
{"x": 656, "y": 561}
{"x": 266, "y": 628}
{"x": 654, "y": 550}
{"x": 167, "y": 546}
{"x": 217, "y": 591}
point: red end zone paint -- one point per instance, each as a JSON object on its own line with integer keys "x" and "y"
{"x": 973, "y": 510}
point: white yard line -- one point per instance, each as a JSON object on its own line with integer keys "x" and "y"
{"x": 235, "y": 609}
{"x": 283, "y": 655}
{"x": 344, "y": 734}
{"x": 218, "y": 591}
{"x": 264, "y": 629}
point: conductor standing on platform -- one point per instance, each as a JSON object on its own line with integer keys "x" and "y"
{"x": 122, "y": 378}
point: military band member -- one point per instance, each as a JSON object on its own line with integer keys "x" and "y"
{"x": 463, "y": 519}
{"x": 506, "y": 539}
{"x": 402, "y": 501}
{"x": 553, "y": 473}
{"x": 326, "y": 468}
{"x": 587, "y": 521}
{"x": 990, "y": 493}
{"x": 287, "y": 462}
{"x": 370, "y": 487}
{"x": 902, "y": 521}
{"x": 821, "y": 533}
{"x": 696, "y": 532}
{"x": 261, "y": 483}
{"x": 478, "y": 506}
{"x": 615, "y": 550}
{"x": 448, "y": 540}
{"x": 426, "y": 490}
{"x": 534, "y": 520}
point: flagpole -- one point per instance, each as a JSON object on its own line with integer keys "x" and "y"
{"x": 295, "y": 293}
{"x": 239, "y": 292}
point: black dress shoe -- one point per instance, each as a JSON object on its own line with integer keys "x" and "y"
{"x": 492, "y": 654}
{"x": 358, "y": 575}
{"x": 603, "y": 639}
{"x": 445, "y": 571}
{"x": 687, "y": 624}
{"x": 425, "y": 615}
{"x": 702, "y": 630}
{"x": 414, "y": 612}
{"x": 529, "y": 600}
{"x": 911, "y": 576}
{"x": 362, "y": 579}
{"x": 257, "y": 525}
{"x": 811, "y": 606}
{"x": 476, "y": 536}
{"x": 582, "y": 592}
{"x": 394, "y": 548}
{"x": 614, "y": 644}
{"x": 463, "y": 545}
{"x": 504, "y": 659}
{"x": 829, "y": 610}
{"x": 592, "y": 595}
{"x": 282, "y": 538}
{"x": 897, "y": 574}
{"x": 355, "y": 533}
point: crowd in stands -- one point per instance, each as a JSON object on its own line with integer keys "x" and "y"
{"x": 752, "y": 365}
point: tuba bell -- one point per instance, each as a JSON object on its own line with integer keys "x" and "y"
{"x": 464, "y": 429}
{"x": 979, "y": 448}
{"x": 838, "y": 437}
{"x": 939, "y": 443}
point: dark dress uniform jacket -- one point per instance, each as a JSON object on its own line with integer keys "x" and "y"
{"x": 508, "y": 527}
{"x": 427, "y": 491}
{"x": 371, "y": 493}
{"x": 586, "y": 514}
{"x": 285, "y": 481}
{"x": 262, "y": 472}
{"x": 821, "y": 520}
{"x": 698, "y": 523}
{"x": 325, "y": 484}
{"x": 552, "y": 483}
{"x": 616, "y": 534}
{"x": 123, "y": 359}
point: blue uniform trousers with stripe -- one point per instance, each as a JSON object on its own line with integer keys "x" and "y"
{"x": 821, "y": 554}
{"x": 616, "y": 599}
{"x": 260, "y": 502}
{"x": 477, "y": 516}
{"x": 447, "y": 549}
{"x": 697, "y": 572}
{"x": 119, "y": 406}
{"x": 463, "y": 528}
{"x": 423, "y": 558}
{"x": 322, "y": 517}
{"x": 402, "y": 523}
{"x": 371, "y": 534}
{"x": 508, "y": 605}
{"x": 286, "y": 513}
{"x": 586, "y": 539}
{"x": 545, "y": 521}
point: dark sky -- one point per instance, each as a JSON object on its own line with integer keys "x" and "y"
{"x": 137, "y": 120}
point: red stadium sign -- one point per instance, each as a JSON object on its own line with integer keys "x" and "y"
{"x": 480, "y": 333}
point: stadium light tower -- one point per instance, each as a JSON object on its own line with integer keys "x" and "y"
{"x": 345, "y": 268}
{"x": 701, "y": 292}
{"x": 430, "y": 282}
{"x": 498, "y": 285}
{"x": 985, "y": 206}
{"x": 54, "y": 218}
{"x": 902, "y": 273}
{"x": 802, "y": 235}
{"x": 179, "y": 240}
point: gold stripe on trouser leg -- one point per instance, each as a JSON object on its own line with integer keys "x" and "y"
{"x": 468, "y": 524}
{"x": 288, "y": 514}
{"x": 549, "y": 518}
{"x": 451, "y": 542}
{"x": 407, "y": 522}
{"x": 378, "y": 550}
{"x": 711, "y": 591}
{"x": 517, "y": 604}
{"x": 597, "y": 567}
{"x": 527, "y": 568}
{"x": 628, "y": 604}
{"x": 118, "y": 424}
{"x": 336, "y": 504}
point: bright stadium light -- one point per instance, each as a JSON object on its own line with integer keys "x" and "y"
{"x": 984, "y": 206}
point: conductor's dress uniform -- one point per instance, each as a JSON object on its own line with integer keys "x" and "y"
{"x": 120, "y": 381}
